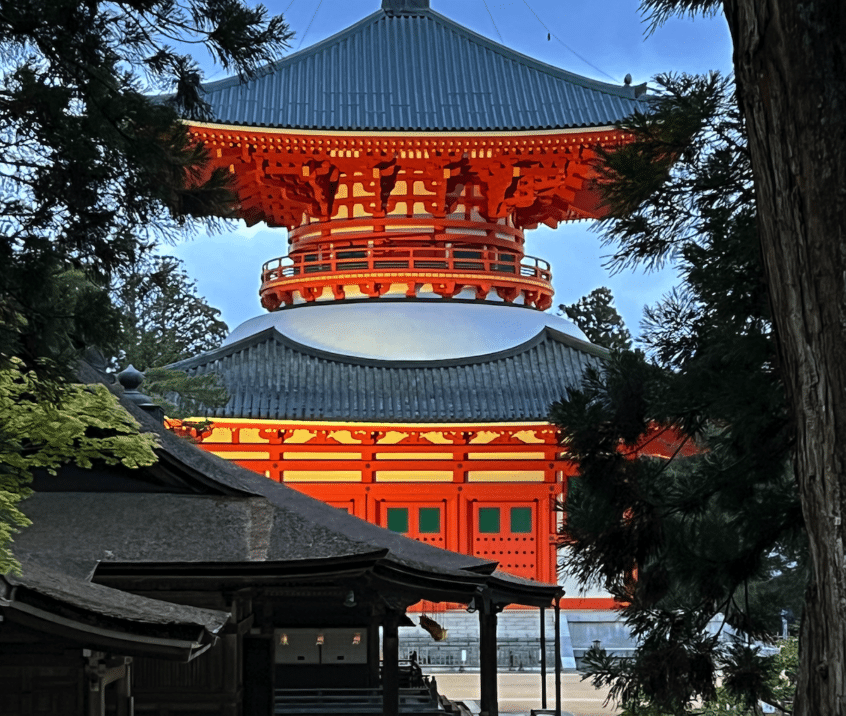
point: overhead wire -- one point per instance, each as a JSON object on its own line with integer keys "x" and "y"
{"x": 493, "y": 21}
{"x": 552, "y": 34}
{"x": 308, "y": 27}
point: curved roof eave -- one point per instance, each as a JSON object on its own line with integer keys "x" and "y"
{"x": 516, "y": 385}
{"x": 99, "y": 616}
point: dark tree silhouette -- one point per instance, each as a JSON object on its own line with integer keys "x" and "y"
{"x": 597, "y": 317}
{"x": 708, "y": 534}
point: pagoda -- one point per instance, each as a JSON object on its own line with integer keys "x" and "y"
{"x": 405, "y": 366}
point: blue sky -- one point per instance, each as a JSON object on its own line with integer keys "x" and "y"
{"x": 601, "y": 39}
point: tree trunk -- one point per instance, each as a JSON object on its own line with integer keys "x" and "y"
{"x": 790, "y": 61}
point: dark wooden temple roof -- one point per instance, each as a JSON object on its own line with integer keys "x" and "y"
{"x": 110, "y": 603}
{"x": 270, "y": 376}
{"x": 407, "y": 68}
{"x": 72, "y": 607}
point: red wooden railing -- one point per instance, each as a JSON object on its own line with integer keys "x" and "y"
{"x": 332, "y": 261}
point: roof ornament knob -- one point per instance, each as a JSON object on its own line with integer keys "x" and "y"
{"x": 130, "y": 378}
{"x": 627, "y": 79}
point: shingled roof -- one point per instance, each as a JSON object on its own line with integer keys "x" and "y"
{"x": 270, "y": 376}
{"x": 406, "y": 67}
{"x": 107, "y": 603}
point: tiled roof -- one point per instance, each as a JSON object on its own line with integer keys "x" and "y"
{"x": 416, "y": 70}
{"x": 269, "y": 376}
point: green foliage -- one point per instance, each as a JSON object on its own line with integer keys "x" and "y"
{"x": 718, "y": 533}
{"x": 657, "y": 12}
{"x": 785, "y": 673}
{"x": 182, "y": 395}
{"x": 778, "y": 687}
{"x": 164, "y": 321}
{"x": 596, "y": 315}
{"x": 95, "y": 169}
{"x": 54, "y": 312}
{"x": 44, "y": 424}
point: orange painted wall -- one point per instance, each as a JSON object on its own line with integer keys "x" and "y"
{"x": 458, "y": 470}
{"x": 369, "y": 470}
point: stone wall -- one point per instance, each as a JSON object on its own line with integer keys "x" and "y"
{"x": 518, "y": 639}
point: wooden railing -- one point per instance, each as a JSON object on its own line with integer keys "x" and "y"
{"x": 352, "y": 701}
{"x": 328, "y": 261}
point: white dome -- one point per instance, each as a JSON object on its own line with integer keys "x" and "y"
{"x": 407, "y": 330}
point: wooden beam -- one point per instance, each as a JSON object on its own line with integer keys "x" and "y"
{"x": 489, "y": 697}
{"x": 390, "y": 664}
{"x": 543, "y": 655}
{"x": 557, "y": 604}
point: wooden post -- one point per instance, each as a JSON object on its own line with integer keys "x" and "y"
{"x": 94, "y": 670}
{"x": 390, "y": 665}
{"x": 97, "y": 699}
{"x": 258, "y": 659}
{"x": 373, "y": 651}
{"x": 557, "y": 657}
{"x": 543, "y": 655}
{"x": 230, "y": 685}
{"x": 487, "y": 658}
{"x": 124, "y": 693}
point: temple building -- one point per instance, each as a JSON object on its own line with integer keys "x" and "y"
{"x": 405, "y": 366}
{"x": 196, "y": 587}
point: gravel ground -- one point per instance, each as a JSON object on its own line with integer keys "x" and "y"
{"x": 520, "y": 693}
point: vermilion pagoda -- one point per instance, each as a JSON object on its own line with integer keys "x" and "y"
{"x": 405, "y": 368}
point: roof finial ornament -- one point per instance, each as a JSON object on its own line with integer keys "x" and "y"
{"x": 404, "y": 7}
{"x": 130, "y": 378}
{"x": 627, "y": 79}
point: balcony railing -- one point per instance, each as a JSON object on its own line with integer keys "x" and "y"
{"x": 414, "y": 260}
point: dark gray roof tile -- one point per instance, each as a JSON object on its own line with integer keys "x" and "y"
{"x": 112, "y": 603}
{"x": 419, "y": 71}
{"x": 272, "y": 377}
{"x": 240, "y": 517}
